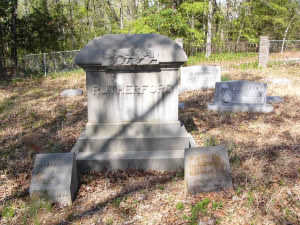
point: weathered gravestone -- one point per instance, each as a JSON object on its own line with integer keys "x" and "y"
{"x": 199, "y": 77}
{"x": 207, "y": 169}
{"x": 240, "y": 96}
{"x": 132, "y": 85}
{"x": 54, "y": 176}
{"x": 71, "y": 92}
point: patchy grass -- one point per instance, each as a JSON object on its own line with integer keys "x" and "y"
{"x": 264, "y": 152}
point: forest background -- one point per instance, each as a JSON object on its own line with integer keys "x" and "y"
{"x": 39, "y": 26}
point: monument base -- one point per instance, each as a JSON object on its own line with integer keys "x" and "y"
{"x": 266, "y": 108}
{"x": 138, "y": 145}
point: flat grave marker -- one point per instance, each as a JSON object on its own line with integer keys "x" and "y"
{"x": 199, "y": 77}
{"x": 207, "y": 169}
{"x": 54, "y": 176}
{"x": 240, "y": 96}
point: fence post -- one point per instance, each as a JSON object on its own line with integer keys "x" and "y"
{"x": 264, "y": 46}
{"x": 45, "y": 65}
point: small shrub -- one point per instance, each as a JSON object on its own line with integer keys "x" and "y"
{"x": 211, "y": 141}
{"x": 225, "y": 78}
{"x": 217, "y": 205}
{"x": 8, "y": 212}
{"x": 196, "y": 209}
{"x": 180, "y": 206}
{"x": 116, "y": 202}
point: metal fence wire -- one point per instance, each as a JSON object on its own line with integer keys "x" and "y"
{"x": 284, "y": 50}
{"x": 53, "y": 62}
{"x": 48, "y": 62}
{"x": 229, "y": 46}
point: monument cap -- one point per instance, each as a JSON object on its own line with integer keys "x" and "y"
{"x": 130, "y": 49}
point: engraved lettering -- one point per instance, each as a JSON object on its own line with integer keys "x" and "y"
{"x": 130, "y": 89}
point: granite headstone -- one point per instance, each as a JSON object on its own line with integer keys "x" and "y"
{"x": 207, "y": 169}
{"x": 71, "y": 92}
{"x": 54, "y": 176}
{"x": 132, "y": 87}
{"x": 240, "y": 96}
{"x": 199, "y": 77}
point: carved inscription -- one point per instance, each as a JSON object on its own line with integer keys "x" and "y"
{"x": 205, "y": 164}
{"x": 129, "y": 89}
{"x": 54, "y": 176}
{"x": 134, "y": 56}
{"x": 46, "y": 170}
{"x": 249, "y": 94}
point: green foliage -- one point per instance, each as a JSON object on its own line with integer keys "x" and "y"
{"x": 8, "y": 212}
{"x": 211, "y": 141}
{"x": 116, "y": 202}
{"x": 200, "y": 207}
{"x": 180, "y": 206}
{"x": 217, "y": 205}
{"x": 225, "y": 78}
{"x": 220, "y": 57}
{"x": 33, "y": 208}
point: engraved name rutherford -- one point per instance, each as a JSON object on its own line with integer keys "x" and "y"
{"x": 97, "y": 90}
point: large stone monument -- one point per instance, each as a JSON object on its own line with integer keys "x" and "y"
{"x": 132, "y": 85}
{"x": 240, "y": 96}
{"x": 199, "y": 77}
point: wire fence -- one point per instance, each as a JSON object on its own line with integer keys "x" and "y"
{"x": 48, "y": 62}
{"x": 53, "y": 62}
{"x": 284, "y": 50}
{"x": 225, "y": 47}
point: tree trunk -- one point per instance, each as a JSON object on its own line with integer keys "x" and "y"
{"x": 14, "y": 54}
{"x": 121, "y": 16}
{"x": 2, "y": 62}
{"x": 209, "y": 33}
{"x": 285, "y": 34}
{"x": 72, "y": 24}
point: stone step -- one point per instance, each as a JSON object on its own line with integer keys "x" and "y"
{"x": 163, "y": 160}
{"x": 135, "y": 144}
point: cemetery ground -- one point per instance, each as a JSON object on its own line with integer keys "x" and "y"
{"x": 264, "y": 152}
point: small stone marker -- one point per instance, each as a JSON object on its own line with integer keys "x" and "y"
{"x": 71, "y": 92}
{"x": 207, "y": 169}
{"x": 240, "y": 96}
{"x": 274, "y": 99}
{"x": 54, "y": 176}
{"x": 181, "y": 105}
{"x": 279, "y": 81}
{"x": 199, "y": 77}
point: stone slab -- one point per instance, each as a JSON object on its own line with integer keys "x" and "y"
{"x": 140, "y": 145}
{"x": 207, "y": 169}
{"x": 199, "y": 77}
{"x": 71, "y": 92}
{"x": 181, "y": 105}
{"x": 274, "y": 99}
{"x": 54, "y": 176}
{"x": 279, "y": 81}
{"x": 130, "y": 49}
{"x": 240, "y": 96}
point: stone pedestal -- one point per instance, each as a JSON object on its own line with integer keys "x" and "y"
{"x": 132, "y": 84}
{"x": 263, "y": 55}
